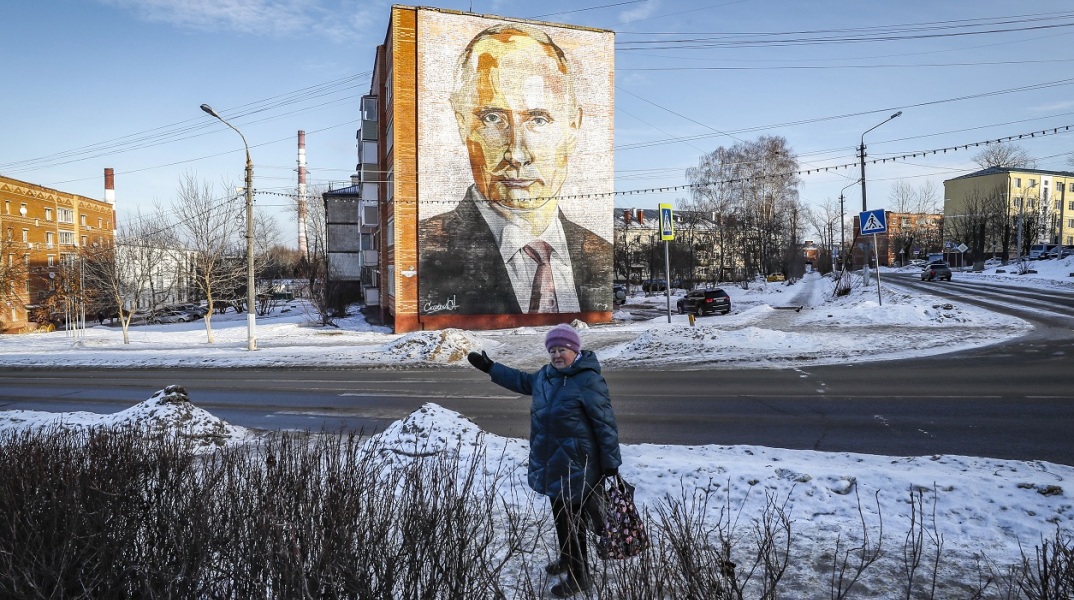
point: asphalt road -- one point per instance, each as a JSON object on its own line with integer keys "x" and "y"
{"x": 1014, "y": 400}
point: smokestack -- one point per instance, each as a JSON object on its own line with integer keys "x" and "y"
{"x": 302, "y": 249}
{"x": 641, "y": 216}
{"x": 109, "y": 185}
{"x": 626, "y": 216}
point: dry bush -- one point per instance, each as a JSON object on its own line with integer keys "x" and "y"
{"x": 127, "y": 513}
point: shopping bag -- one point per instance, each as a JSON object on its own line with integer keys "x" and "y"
{"x": 622, "y": 534}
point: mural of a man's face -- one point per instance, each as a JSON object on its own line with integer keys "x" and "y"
{"x": 518, "y": 118}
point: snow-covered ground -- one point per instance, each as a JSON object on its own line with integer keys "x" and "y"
{"x": 986, "y": 510}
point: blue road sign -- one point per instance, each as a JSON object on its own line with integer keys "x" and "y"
{"x": 873, "y": 221}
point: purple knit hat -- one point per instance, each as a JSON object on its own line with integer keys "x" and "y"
{"x": 563, "y": 336}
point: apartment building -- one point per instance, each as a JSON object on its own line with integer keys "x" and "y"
{"x": 495, "y": 195}
{"x": 43, "y": 232}
{"x": 1038, "y": 205}
{"x": 909, "y": 236}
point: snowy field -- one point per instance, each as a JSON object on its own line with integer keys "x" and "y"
{"x": 987, "y": 511}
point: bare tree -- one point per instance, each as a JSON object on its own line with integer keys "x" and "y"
{"x": 323, "y": 290}
{"x": 13, "y": 272}
{"x": 1004, "y": 155}
{"x": 974, "y": 224}
{"x": 266, "y": 237}
{"x": 826, "y": 221}
{"x": 129, "y": 274}
{"x": 211, "y": 228}
{"x": 752, "y": 191}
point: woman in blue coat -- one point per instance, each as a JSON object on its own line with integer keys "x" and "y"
{"x": 574, "y": 441}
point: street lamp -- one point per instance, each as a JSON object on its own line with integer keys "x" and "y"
{"x": 861, "y": 157}
{"x": 251, "y": 344}
{"x": 842, "y": 223}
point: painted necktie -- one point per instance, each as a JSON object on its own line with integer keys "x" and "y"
{"x": 543, "y": 298}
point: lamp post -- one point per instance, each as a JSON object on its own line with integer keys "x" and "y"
{"x": 861, "y": 156}
{"x": 251, "y": 343}
{"x": 842, "y": 223}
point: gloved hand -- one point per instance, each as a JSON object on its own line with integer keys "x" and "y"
{"x": 480, "y": 361}
{"x": 610, "y": 473}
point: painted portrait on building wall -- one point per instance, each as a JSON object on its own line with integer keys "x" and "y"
{"x": 515, "y": 167}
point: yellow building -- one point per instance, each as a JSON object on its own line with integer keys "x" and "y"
{"x": 43, "y": 233}
{"x": 1038, "y": 204}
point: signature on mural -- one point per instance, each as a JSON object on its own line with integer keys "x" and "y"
{"x": 449, "y": 304}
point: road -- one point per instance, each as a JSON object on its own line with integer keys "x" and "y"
{"x": 1008, "y": 401}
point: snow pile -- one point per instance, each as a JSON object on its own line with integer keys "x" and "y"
{"x": 443, "y": 347}
{"x": 168, "y": 412}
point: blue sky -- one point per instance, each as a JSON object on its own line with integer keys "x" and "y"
{"x": 117, "y": 83}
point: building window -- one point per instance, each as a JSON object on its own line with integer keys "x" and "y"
{"x": 82, "y": 220}
{"x": 48, "y": 214}
{"x": 1070, "y": 205}
{"x": 1058, "y": 186}
{"x": 66, "y": 215}
{"x": 67, "y": 238}
{"x": 1070, "y": 222}
{"x": 391, "y": 280}
{"x": 390, "y": 233}
{"x": 51, "y": 260}
{"x": 7, "y": 207}
{"x": 100, "y": 222}
{"x": 50, "y": 239}
{"x": 84, "y": 241}
{"x": 1017, "y": 182}
{"x": 26, "y": 235}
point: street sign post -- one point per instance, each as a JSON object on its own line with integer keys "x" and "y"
{"x": 874, "y": 221}
{"x": 667, "y": 233}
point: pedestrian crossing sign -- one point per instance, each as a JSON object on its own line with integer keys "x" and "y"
{"x": 667, "y": 227}
{"x": 873, "y": 221}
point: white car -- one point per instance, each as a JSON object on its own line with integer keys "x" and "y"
{"x": 171, "y": 316}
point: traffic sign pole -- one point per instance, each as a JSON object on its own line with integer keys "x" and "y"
{"x": 667, "y": 233}
{"x": 876, "y": 252}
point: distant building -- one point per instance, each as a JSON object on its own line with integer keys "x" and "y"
{"x": 909, "y": 236}
{"x": 44, "y": 231}
{"x": 1042, "y": 201}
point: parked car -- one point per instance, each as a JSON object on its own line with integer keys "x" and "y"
{"x": 775, "y": 277}
{"x": 196, "y": 311}
{"x": 1060, "y": 252}
{"x": 1038, "y": 251}
{"x": 705, "y": 302}
{"x": 936, "y": 270}
{"x": 654, "y": 285}
{"x": 619, "y": 293}
{"x": 171, "y": 316}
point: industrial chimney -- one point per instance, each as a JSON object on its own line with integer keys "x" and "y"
{"x": 109, "y": 185}
{"x": 302, "y": 248}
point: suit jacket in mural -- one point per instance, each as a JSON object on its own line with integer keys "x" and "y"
{"x": 461, "y": 271}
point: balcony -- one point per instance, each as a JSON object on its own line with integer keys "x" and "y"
{"x": 369, "y": 213}
{"x": 368, "y": 132}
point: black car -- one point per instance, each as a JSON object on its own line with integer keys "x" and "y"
{"x": 654, "y": 285}
{"x": 936, "y": 270}
{"x": 705, "y": 302}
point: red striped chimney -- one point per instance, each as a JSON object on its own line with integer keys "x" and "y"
{"x": 109, "y": 185}
{"x": 302, "y": 248}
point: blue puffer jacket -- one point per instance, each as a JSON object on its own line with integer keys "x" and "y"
{"x": 573, "y": 433}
